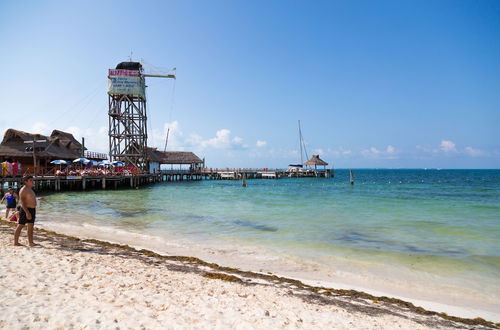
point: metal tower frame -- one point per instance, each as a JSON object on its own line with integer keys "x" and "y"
{"x": 127, "y": 130}
{"x": 128, "y": 135}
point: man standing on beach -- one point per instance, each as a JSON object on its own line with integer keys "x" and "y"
{"x": 28, "y": 212}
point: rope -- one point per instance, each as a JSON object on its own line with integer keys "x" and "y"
{"x": 172, "y": 102}
{"x": 149, "y": 118}
{"x": 87, "y": 98}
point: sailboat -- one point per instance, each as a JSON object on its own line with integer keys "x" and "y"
{"x": 298, "y": 170}
{"x": 302, "y": 150}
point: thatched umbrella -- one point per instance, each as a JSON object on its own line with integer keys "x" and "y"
{"x": 315, "y": 160}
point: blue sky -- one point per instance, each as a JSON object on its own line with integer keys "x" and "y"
{"x": 374, "y": 83}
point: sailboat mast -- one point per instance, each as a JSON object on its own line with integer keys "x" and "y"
{"x": 300, "y": 143}
{"x": 166, "y": 140}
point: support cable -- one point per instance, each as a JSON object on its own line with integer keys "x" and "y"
{"x": 172, "y": 102}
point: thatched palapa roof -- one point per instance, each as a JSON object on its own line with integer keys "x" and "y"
{"x": 173, "y": 157}
{"x": 315, "y": 160}
{"x": 66, "y": 140}
{"x": 59, "y": 145}
{"x": 180, "y": 157}
{"x": 153, "y": 155}
{"x": 16, "y": 135}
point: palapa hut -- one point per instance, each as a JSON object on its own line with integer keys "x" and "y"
{"x": 157, "y": 158}
{"x": 181, "y": 158}
{"x": 15, "y": 147}
{"x": 315, "y": 160}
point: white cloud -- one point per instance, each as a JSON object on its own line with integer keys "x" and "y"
{"x": 157, "y": 138}
{"x": 223, "y": 140}
{"x": 237, "y": 140}
{"x": 448, "y": 146}
{"x": 474, "y": 152}
{"x": 370, "y": 153}
{"x": 261, "y": 143}
{"x": 389, "y": 153}
{"x": 177, "y": 140}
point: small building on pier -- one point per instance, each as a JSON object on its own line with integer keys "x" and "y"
{"x": 178, "y": 160}
{"x": 181, "y": 158}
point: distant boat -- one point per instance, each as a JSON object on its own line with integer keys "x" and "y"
{"x": 298, "y": 170}
{"x": 228, "y": 175}
{"x": 351, "y": 177}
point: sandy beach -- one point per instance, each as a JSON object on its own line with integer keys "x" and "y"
{"x": 71, "y": 283}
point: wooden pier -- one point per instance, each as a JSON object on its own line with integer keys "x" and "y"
{"x": 64, "y": 183}
{"x": 260, "y": 173}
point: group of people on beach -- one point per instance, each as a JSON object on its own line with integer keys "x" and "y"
{"x": 25, "y": 212}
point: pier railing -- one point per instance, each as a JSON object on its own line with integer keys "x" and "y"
{"x": 238, "y": 170}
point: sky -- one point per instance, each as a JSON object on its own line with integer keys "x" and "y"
{"x": 375, "y": 84}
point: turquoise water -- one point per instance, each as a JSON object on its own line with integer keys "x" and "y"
{"x": 445, "y": 222}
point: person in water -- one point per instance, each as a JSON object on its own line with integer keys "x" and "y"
{"x": 10, "y": 197}
{"x": 27, "y": 214}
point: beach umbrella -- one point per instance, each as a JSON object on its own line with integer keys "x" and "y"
{"x": 118, "y": 163}
{"x": 59, "y": 162}
{"x": 81, "y": 160}
{"x": 104, "y": 163}
{"x": 91, "y": 163}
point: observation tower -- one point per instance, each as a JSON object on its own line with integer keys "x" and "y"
{"x": 127, "y": 128}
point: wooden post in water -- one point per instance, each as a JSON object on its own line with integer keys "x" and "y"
{"x": 84, "y": 183}
{"x": 244, "y": 180}
{"x": 103, "y": 183}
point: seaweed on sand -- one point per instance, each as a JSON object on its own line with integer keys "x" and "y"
{"x": 349, "y": 299}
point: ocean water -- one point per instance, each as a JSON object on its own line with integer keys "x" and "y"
{"x": 432, "y": 227}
